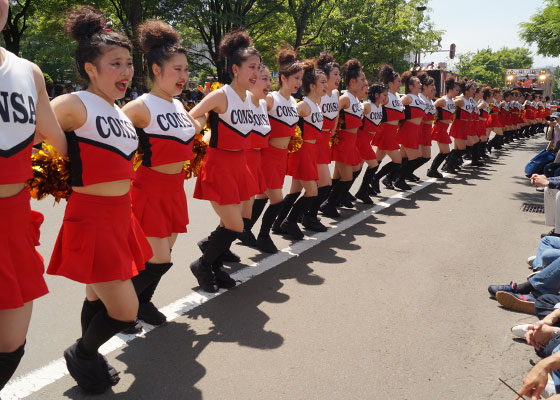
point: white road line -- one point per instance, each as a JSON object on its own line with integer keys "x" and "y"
{"x": 34, "y": 381}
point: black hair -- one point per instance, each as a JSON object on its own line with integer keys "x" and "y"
{"x": 288, "y": 64}
{"x": 353, "y": 70}
{"x": 450, "y": 84}
{"x": 387, "y": 74}
{"x": 310, "y": 75}
{"x": 159, "y": 42}
{"x": 376, "y": 88}
{"x": 236, "y": 47}
{"x": 326, "y": 63}
{"x": 88, "y": 26}
{"x": 408, "y": 78}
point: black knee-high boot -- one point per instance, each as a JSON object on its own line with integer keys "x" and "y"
{"x": 348, "y": 195}
{"x": 399, "y": 175}
{"x": 451, "y": 162}
{"x": 290, "y": 224}
{"x": 476, "y": 154}
{"x": 9, "y": 363}
{"x": 328, "y": 208}
{"x": 89, "y": 309}
{"x": 387, "y": 168}
{"x": 373, "y": 187}
{"x": 313, "y": 210}
{"x": 417, "y": 163}
{"x": 438, "y": 160}
{"x": 229, "y": 256}
{"x": 287, "y": 205}
{"x": 468, "y": 153}
{"x": 152, "y": 273}
{"x": 363, "y": 193}
{"x": 264, "y": 241}
{"x": 202, "y": 268}
{"x": 258, "y": 208}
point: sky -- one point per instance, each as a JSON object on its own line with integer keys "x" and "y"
{"x": 489, "y": 24}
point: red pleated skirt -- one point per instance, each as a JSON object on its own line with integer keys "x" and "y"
{"x": 100, "y": 240}
{"x": 302, "y": 164}
{"x": 21, "y": 268}
{"x": 346, "y": 151}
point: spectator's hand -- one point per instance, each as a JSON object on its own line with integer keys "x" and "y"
{"x": 539, "y": 335}
{"x": 534, "y": 383}
{"x": 539, "y": 180}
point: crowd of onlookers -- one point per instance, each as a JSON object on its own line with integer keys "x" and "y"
{"x": 539, "y": 293}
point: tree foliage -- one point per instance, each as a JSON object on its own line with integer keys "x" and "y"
{"x": 490, "y": 67}
{"x": 544, "y": 29}
{"x": 374, "y": 31}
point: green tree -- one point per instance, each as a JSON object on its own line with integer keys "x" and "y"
{"x": 544, "y": 29}
{"x": 488, "y": 67}
{"x": 17, "y": 23}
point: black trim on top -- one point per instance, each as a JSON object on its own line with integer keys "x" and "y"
{"x": 282, "y": 122}
{"x": 107, "y": 147}
{"x": 145, "y": 145}
{"x": 18, "y": 147}
{"x": 76, "y": 171}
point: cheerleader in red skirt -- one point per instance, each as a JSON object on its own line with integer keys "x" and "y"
{"x": 483, "y": 112}
{"x": 473, "y": 141}
{"x": 225, "y": 179}
{"x": 425, "y": 135}
{"x": 21, "y": 271}
{"x": 505, "y": 116}
{"x": 166, "y": 132}
{"x": 329, "y": 108}
{"x": 409, "y": 131}
{"x": 253, "y": 209}
{"x": 100, "y": 243}
{"x": 540, "y": 117}
{"x": 445, "y": 111}
{"x": 283, "y": 115}
{"x": 345, "y": 154}
{"x": 461, "y": 124}
{"x": 386, "y": 136}
{"x": 494, "y": 122}
{"x": 302, "y": 164}
{"x": 373, "y": 114}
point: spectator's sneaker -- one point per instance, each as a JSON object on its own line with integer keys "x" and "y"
{"x": 520, "y": 330}
{"x": 551, "y": 233}
{"x": 493, "y": 289}
{"x": 517, "y": 302}
{"x": 530, "y": 261}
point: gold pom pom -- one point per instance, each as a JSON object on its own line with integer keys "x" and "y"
{"x": 295, "y": 141}
{"x": 193, "y": 167}
{"x": 51, "y": 174}
{"x": 334, "y": 140}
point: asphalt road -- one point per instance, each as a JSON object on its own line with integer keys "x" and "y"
{"x": 395, "y": 307}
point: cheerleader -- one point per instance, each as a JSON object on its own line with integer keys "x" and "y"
{"x": 386, "y": 137}
{"x": 302, "y": 164}
{"x": 540, "y": 113}
{"x": 494, "y": 122}
{"x": 425, "y": 138}
{"x": 329, "y": 108}
{"x": 345, "y": 153}
{"x": 547, "y": 112}
{"x": 100, "y": 242}
{"x": 259, "y": 140}
{"x": 445, "y": 111}
{"x": 225, "y": 179}
{"x": 409, "y": 131}
{"x": 504, "y": 116}
{"x": 22, "y": 267}
{"x": 473, "y": 141}
{"x": 165, "y": 133}
{"x": 460, "y": 126}
{"x": 373, "y": 114}
{"x": 283, "y": 115}
{"x": 483, "y": 112}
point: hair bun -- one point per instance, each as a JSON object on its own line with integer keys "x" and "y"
{"x": 233, "y": 41}
{"x": 155, "y": 32}
{"x": 309, "y": 66}
{"x": 324, "y": 59}
{"x": 352, "y": 65}
{"x": 84, "y": 21}
{"x": 287, "y": 56}
{"x": 386, "y": 73}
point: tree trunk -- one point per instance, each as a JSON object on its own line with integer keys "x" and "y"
{"x": 135, "y": 18}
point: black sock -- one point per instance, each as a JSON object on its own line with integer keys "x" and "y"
{"x": 384, "y": 170}
{"x": 469, "y": 150}
{"x": 157, "y": 271}
{"x": 269, "y": 217}
{"x": 287, "y": 205}
{"x": 220, "y": 242}
{"x": 89, "y": 309}
{"x": 368, "y": 176}
{"x": 397, "y": 172}
{"x": 151, "y": 273}
{"x": 337, "y": 192}
{"x": 9, "y": 363}
{"x": 300, "y": 207}
{"x": 355, "y": 175}
{"x": 101, "y": 328}
{"x": 524, "y": 288}
{"x": 406, "y": 168}
{"x": 258, "y": 207}
{"x": 438, "y": 160}
{"x": 322, "y": 194}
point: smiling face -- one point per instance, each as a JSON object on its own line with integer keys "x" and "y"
{"x": 173, "y": 74}
{"x": 414, "y": 85}
{"x": 382, "y": 98}
{"x": 263, "y": 84}
{"x": 395, "y": 85}
{"x": 334, "y": 79}
{"x": 319, "y": 88}
{"x": 111, "y": 73}
{"x": 246, "y": 74}
{"x": 4, "y": 8}
{"x": 293, "y": 82}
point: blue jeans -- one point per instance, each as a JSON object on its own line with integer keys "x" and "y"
{"x": 549, "y": 250}
{"x": 547, "y": 281}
